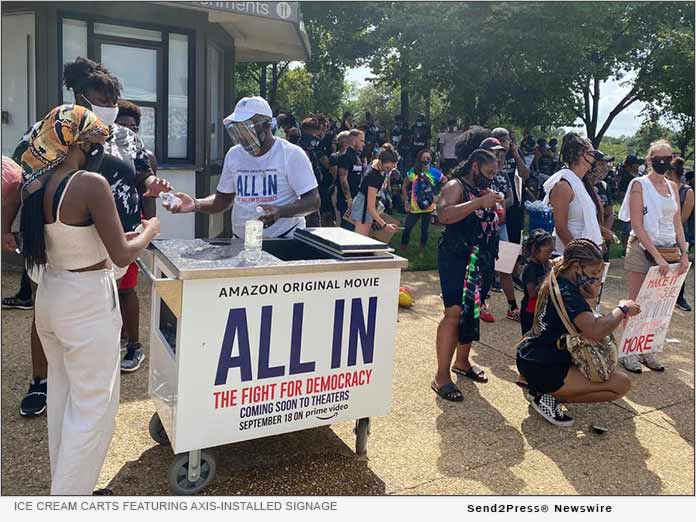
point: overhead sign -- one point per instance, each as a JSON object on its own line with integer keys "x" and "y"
{"x": 646, "y": 332}
{"x": 286, "y": 11}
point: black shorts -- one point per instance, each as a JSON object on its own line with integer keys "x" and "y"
{"x": 543, "y": 378}
{"x": 452, "y": 271}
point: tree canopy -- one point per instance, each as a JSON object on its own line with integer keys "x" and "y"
{"x": 524, "y": 64}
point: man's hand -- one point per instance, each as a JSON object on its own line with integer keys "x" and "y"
{"x": 157, "y": 186}
{"x": 188, "y": 204}
{"x": 9, "y": 243}
{"x": 271, "y": 215}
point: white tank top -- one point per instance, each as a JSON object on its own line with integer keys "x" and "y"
{"x": 666, "y": 235}
{"x": 70, "y": 247}
{"x": 658, "y": 214}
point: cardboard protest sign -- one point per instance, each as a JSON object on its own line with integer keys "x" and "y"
{"x": 646, "y": 332}
{"x": 507, "y": 257}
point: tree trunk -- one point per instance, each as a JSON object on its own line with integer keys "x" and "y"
{"x": 262, "y": 81}
{"x": 428, "y": 102}
{"x": 403, "y": 78}
{"x": 274, "y": 85}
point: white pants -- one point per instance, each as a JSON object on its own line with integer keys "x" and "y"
{"x": 79, "y": 322}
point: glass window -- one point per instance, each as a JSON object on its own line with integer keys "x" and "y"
{"x": 147, "y": 127}
{"x": 135, "y": 67}
{"x": 215, "y": 100}
{"x": 122, "y": 31}
{"x": 177, "y": 134}
{"x": 74, "y": 45}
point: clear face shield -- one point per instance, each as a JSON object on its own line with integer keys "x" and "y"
{"x": 249, "y": 134}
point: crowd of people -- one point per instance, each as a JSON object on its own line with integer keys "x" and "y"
{"x": 86, "y": 187}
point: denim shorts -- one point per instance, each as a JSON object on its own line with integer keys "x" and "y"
{"x": 358, "y": 212}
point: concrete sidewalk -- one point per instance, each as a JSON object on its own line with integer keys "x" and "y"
{"x": 492, "y": 443}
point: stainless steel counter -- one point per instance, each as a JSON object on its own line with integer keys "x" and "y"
{"x": 213, "y": 259}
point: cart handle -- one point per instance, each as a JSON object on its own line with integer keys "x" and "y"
{"x": 146, "y": 270}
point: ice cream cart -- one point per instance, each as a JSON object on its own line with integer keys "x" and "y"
{"x": 300, "y": 336}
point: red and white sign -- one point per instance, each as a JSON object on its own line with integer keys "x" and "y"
{"x": 647, "y": 331}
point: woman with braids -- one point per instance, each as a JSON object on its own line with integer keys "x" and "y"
{"x": 575, "y": 204}
{"x": 466, "y": 258}
{"x": 549, "y": 372}
{"x": 651, "y": 205}
{"x": 71, "y": 229}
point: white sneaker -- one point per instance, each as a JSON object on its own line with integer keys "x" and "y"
{"x": 632, "y": 364}
{"x": 548, "y": 407}
{"x": 650, "y": 360}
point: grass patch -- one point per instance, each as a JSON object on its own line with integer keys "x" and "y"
{"x": 415, "y": 262}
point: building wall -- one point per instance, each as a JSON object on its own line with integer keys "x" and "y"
{"x": 193, "y": 178}
{"x": 177, "y": 226}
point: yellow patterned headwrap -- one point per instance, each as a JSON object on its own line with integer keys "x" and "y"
{"x": 51, "y": 138}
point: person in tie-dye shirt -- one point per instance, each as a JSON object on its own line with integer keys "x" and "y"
{"x": 418, "y": 192}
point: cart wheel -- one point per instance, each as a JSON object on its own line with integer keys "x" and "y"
{"x": 179, "y": 483}
{"x": 157, "y": 431}
{"x": 362, "y": 430}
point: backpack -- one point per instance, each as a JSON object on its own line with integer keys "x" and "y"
{"x": 423, "y": 191}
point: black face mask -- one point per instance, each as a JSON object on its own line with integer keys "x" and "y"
{"x": 95, "y": 156}
{"x": 660, "y": 167}
{"x": 424, "y": 163}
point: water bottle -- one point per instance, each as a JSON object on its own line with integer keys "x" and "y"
{"x": 253, "y": 235}
{"x": 170, "y": 199}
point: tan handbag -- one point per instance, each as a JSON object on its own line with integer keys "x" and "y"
{"x": 596, "y": 360}
{"x": 670, "y": 254}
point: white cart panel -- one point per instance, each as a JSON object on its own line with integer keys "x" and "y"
{"x": 260, "y": 356}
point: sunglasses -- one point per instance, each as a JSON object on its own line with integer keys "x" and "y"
{"x": 661, "y": 159}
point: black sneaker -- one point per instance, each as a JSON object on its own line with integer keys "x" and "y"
{"x": 135, "y": 355}
{"x": 34, "y": 402}
{"x": 14, "y": 303}
{"x": 683, "y": 305}
{"x": 548, "y": 407}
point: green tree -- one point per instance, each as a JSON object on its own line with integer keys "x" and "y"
{"x": 597, "y": 41}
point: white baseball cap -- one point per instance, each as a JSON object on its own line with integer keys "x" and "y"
{"x": 248, "y": 107}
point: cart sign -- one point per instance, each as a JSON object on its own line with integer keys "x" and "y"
{"x": 263, "y": 356}
{"x": 646, "y": 332}
{"x": 287, "y": 11}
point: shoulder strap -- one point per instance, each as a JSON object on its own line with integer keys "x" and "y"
{"x": 557, "y": 300}
{"x": 60, "y": 194}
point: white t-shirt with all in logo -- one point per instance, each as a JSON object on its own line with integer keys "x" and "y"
{"x": 277, "y": 178}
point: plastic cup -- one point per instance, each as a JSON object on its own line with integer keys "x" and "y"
{"x": 253, "y": 234}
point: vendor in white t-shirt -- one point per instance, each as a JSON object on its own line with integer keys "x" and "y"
{"x": 260, "y": 170}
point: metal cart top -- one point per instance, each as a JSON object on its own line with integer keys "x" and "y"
{"x": 219, "y": 258}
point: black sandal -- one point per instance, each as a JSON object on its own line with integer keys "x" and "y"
{"x": 448, "y": 391}
{"x": 474, "y": 373}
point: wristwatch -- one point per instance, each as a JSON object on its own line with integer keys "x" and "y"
{"x": 624, "y": 309}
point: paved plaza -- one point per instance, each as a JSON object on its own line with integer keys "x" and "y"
{"x": 492, "y": 443}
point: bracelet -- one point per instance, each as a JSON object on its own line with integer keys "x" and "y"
{"x": 196, "y": 205}
{"x": 624, "y": 310}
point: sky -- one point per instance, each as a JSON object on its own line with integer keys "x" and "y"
{"x": 626, "y": 123}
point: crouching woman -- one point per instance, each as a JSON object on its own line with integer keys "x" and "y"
{"x": 548, "y": 369}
